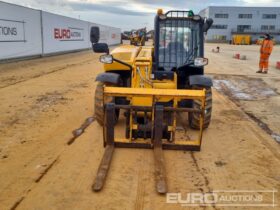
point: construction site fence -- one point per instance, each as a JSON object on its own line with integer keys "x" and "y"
{"x": 26, "y": 32}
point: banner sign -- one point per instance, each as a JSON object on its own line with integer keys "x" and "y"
{"x": 69, "y": 34}
{"x": 12, "y": 31}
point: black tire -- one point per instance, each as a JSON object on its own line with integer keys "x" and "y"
{"x": 194, "y": 117}
{"x": 99, "y": 106}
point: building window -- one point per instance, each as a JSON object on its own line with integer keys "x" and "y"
{"x": 219, "y": 27}
{"x": 219, "y": 37}
{"x": 220, "y": 15}
{"x": 245, "y": 16}
{"x": 269, "y": 16}
{"x": 243, "y": 28}
{"x": 267, "y": 27}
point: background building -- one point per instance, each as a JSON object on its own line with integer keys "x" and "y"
{"x": 253, "y": 21}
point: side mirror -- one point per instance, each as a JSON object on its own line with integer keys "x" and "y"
{"x": 208, "y": 23}
{"x": 94, "y": 34}
{"x": 100, "y": 48}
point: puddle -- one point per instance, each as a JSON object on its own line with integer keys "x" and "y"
{"x": 243, "y": 88}
{"x": 268, "y": 92}
{"x": 230, "y": 89}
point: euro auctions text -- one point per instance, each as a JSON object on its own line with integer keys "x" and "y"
{"x": 70, "y": 34}
{"x": 253, "y": 198}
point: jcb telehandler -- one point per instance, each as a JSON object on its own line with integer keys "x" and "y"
{"x": 138, "y": 37}
{"x": 152, "y": 85}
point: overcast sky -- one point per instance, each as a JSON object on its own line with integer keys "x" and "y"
{"x": 128, "y": 14}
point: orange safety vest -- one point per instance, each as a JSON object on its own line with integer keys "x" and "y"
{"x": 266, "y": 47}
{"x": 265, "y": 51}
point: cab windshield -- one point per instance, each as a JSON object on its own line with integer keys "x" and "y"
{"x": 179, "y": 42}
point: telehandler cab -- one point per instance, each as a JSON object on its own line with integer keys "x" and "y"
{"x": 152, "y": 85}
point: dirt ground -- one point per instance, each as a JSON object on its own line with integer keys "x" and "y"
{"x": 256, "y": 94}
{"x": 44, "y": 100}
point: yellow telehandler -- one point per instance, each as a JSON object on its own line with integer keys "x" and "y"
{"x": 138, "y": 37}
{"x": 152, "y": 85}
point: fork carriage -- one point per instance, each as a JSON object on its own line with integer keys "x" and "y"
{"x": 151, "y": 131}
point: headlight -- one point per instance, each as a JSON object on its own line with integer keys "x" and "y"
{"x": 200, "y": 61}
{"x": 196, "y": 17}
{"x": 106, "y": 59}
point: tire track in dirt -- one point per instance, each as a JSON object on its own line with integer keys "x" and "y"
{"x": 44, "y": 103}
{"x": 204, "y": 177}
{"x": 46, "y": 73}
{"x": 274, "y": 150}
{"x": 17, "y": 203}
{"x": 44, "y": 173}
{"x": 139, "y": 203}
{"x": 128, "y": 195}
{"x": 35, "y": 164}
{"x": 42, "y": 121}
{"x": 263, "y": 126}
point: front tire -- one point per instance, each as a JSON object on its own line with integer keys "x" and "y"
{"x": 196, "y": 104}
{"x": 99, "y": 105}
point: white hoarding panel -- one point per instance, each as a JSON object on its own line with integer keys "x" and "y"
{"x": 20, "y": 31}
{"x": 104, "y": 34}
{"x": 109, "y": 35}
{"x": 114, "y": 35}
{"x": 28, "y": 32}
{"x": 63, "y": 34}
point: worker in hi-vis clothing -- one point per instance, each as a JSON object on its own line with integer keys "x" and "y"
{"x": 266, "y": 49}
